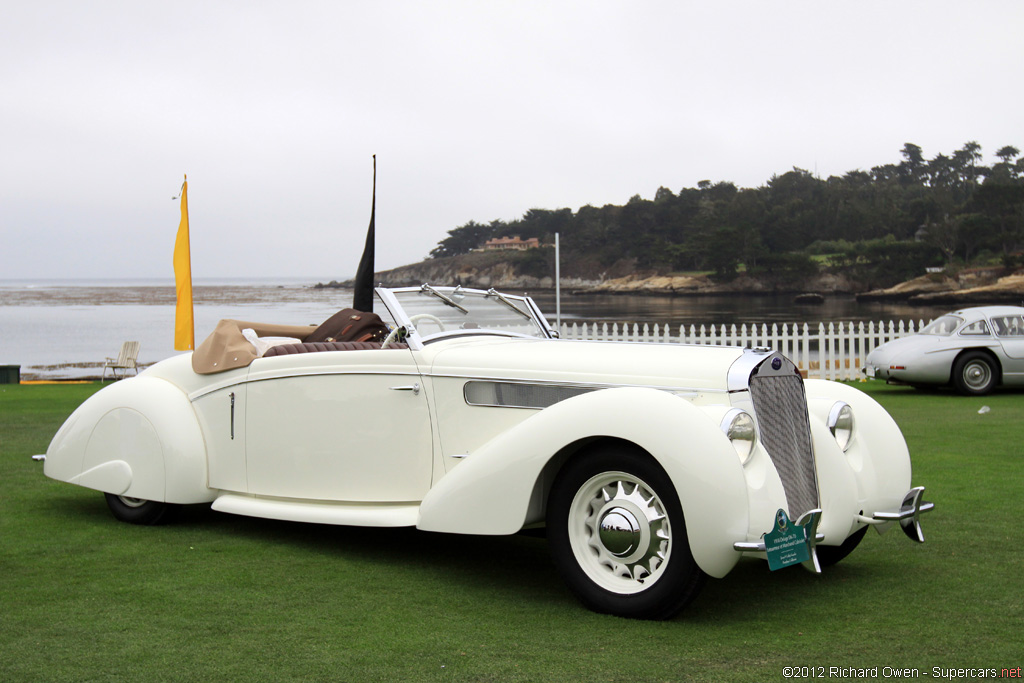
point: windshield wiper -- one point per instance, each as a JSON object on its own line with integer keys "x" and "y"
{"x": 502, "y": 299}
{"x": 433, "y": 292}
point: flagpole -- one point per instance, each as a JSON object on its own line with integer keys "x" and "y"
{"x": 558, "y": 287}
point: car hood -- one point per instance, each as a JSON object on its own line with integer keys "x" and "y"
{"x": 584, "y": 362}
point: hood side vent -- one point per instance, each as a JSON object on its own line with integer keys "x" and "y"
{"x": 515, "y": 395}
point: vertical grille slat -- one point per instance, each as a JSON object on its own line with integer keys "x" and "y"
{"x": 781, "y": 406}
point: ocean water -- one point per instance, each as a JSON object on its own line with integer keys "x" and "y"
{"x": 59, "y": 329}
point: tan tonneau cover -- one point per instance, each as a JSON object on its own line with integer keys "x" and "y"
{"x": 227, "y": 349}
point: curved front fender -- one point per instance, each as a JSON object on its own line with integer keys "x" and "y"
{"x": 877, "y": 457}
{"x": 138, "y": 437}
{"x": 489, "y": 493}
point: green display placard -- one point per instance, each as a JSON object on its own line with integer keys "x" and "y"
{"x": 787, "y": 543}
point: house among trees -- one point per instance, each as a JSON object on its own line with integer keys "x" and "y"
{"x": 511, "y": 243}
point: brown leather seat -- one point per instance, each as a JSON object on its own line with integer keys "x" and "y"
{"x": 315, "y": 347}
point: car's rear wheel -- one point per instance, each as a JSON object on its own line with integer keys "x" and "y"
{"x": 975, "y": 373}
{"x": 829, "y": 555}
{"x": 617, "y": 535}
{"x": 139, "y": 511}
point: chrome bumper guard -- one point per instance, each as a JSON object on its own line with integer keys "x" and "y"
{"x": 909, "y": 515}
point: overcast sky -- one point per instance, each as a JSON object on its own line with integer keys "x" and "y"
{"x": 476, "y": 111}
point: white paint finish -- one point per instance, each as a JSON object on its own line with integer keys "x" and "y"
{"x": 225, "y": 442}
{"x": 114, "y": 476}
{"x": 463, "y": 428}
{"x": 338, "y": 437}
{"x": 588, "y": 362}
{"x": 877, "y": 457}
{"x": 490, "y": 491}
{"x": 319, "y": 512}
{"x": 149, "y": 424}
{"x": 125, "y": 435}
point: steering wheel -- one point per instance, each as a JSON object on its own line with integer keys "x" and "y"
{"x": 393, "y": 334}
{"x": 426, "y": 316}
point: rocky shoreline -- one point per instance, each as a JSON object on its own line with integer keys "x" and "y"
{"x": 975, "y": 286}
{"x": 972, "y": 287}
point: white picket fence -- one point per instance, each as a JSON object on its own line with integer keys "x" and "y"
{"x": 835, "y": 350}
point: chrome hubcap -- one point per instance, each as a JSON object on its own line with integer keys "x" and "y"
{"x": 132, "y": 502}
{"x": 620, "y": 532}
{"x": 977, "y": 375}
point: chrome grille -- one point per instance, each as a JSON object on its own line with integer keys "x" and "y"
{"x": 781, "y": 406}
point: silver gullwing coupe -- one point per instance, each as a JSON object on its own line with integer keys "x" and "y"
{"x": 973, "y": 349}
{"x": 652, "y": 466}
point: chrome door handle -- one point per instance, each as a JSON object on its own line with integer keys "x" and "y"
{"x": 414, "y": 388}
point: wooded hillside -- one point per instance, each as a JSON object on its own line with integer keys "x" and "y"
{"x": 885, "y": 225}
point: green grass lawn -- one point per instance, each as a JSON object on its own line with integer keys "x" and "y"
{"x": 218, "y": 597}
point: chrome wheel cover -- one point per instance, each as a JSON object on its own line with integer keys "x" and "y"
{"x": 132, "y": 502}
{"x": 977, "y": 375}
{"x": 619, "y": 532}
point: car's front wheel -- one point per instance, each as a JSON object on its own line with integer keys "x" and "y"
{"x": 975, "y": 373}
{"x": 137, "y": 510}
{"x": 618, "y": 537}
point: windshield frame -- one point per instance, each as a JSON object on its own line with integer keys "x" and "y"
{"x": 416, "y": 338}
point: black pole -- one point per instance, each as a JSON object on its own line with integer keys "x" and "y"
{"x": 362, "y": 299}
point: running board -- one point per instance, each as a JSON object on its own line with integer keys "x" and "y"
{"x": 320, "y": 512}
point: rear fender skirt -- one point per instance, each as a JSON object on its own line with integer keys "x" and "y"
{"x": 139, "y": 438}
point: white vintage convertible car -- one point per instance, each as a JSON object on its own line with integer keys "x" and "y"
{"x": 652, "y": 466}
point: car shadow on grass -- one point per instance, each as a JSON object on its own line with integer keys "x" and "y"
{"x": 513, "y": 569}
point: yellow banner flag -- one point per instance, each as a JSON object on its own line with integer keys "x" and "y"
{"x": 184, "y": 323}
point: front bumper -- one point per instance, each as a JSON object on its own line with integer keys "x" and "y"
{"x": 908, "y": 516}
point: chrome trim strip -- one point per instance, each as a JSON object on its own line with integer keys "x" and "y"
{"x": 758, "y": 546}
{"x": 318, "y": 372}
{"x": 739, "y": 371}
{"x": 694, "y": 391}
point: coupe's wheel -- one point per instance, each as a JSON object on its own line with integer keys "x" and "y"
{"x": 139, "y": 511}
{"x": 618, "y": 537}
{"x": 829, "y": 555}
{"x": 974, "y": 373}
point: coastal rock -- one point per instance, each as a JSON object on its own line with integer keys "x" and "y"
{"x": 650, "y": 284}
{"x": 975, "y": 286}
{"x": 1005, "y": 290}
{"x": 933, "y": 282}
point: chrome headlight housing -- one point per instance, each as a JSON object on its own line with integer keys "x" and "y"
{"x": 841, "y": 423}
{"x": 739, "y": 426}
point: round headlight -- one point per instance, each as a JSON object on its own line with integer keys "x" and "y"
{"x": 840, "y": 423}
{"x": 739, "y": 427}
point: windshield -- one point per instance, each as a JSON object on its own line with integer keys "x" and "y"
{"x": 944, "y": 326}
{"x": 443, "y": 310}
